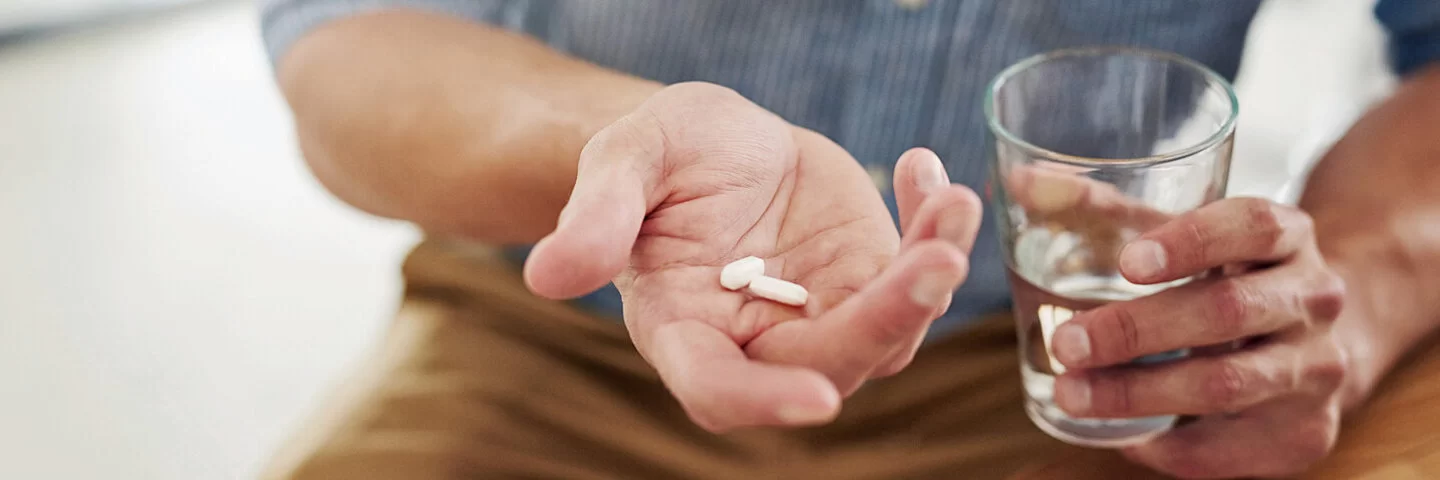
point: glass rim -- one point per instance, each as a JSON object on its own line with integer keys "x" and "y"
{"x": 1214, "y": 139}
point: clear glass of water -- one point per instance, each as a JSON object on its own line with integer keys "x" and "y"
{"x": 1093, "y": 147}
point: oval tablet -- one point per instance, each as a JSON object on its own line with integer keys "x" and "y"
{"x": 778, "y": 290}
{"x": 739, "y": 273}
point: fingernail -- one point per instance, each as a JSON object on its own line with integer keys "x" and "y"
{"x": 803, "y": 415}
{"x": 1076, "y": 393}
{"x": 1143, "y": 259}
{"x": 930, "y": 175}
{"x": 932, "y": 289}
{"x": 1070, "y": 344}
{"x": 950, "y": 228}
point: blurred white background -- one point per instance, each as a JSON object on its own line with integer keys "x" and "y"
{"x": 175, "y": 289}
{"x": 28, "y": 14}
{"x": 176, "y": 292}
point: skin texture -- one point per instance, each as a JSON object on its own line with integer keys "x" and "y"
{"x": 463, "y": 130}
{"x": 1323, "y": 299}
{"x": 470, "y": 131}
{"x": 697, "y": 177}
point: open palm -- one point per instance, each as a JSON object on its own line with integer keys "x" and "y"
{"x": 698, "y": 177}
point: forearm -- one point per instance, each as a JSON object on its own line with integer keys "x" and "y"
{"x": 461, "y": 128}
{"x": 1375, "y": 198}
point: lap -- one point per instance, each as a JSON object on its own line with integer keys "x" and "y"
{"x": 479, "y": 379}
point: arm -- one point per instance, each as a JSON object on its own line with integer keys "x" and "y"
{"x": 468, "y": 130}
{"x": 1375, "y": 198}
{"x": 461, "y": 128}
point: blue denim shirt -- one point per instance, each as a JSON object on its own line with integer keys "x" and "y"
{"x": 877, "y": 76}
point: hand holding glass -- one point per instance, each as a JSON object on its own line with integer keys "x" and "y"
{"x": 1092, "y": 148}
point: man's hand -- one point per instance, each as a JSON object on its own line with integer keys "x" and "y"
{"x": 1270, "y": 407}
{"x": 697, "y": 177}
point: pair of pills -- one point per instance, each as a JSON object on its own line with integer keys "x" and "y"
{"x": 749, "y": 273}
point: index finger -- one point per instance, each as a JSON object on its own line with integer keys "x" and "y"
{"x": 1228, "y": 231}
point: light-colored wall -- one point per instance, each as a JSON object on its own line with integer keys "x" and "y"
{"x": 18, "y": 14}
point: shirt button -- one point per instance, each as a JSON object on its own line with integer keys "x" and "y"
{"x": 912, "y": 4}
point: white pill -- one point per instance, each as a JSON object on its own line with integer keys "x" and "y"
{"x": 739, "y": 273}
{"x": 779, "y": 290}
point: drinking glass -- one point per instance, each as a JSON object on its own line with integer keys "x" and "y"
{"x": 1092, "y": 148}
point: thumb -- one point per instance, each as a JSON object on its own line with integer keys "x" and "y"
{"x": 597, "y": 228}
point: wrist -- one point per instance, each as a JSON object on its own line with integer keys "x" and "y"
{"x": 1384, "y": 318}
{"x": 523, "y": 167}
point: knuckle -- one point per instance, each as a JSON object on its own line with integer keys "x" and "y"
{"x": 1264, "y": 220}
{"x": 1196, "y": 243}
{"x": 1231, "y": 305}
{"x": 1313, "y": 442}
{"x": 1225, "y": 385}
{"x": 1329, "y": 373}
{"x": 1300, "y": 221}
{"x": 1124, "y": 330}
{"x": 1303, "y": 222}
{"x": 1326, "y": 301}
{"x": 1112, "y": 394}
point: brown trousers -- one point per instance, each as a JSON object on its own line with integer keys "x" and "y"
{"x": 479, "y": 379}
